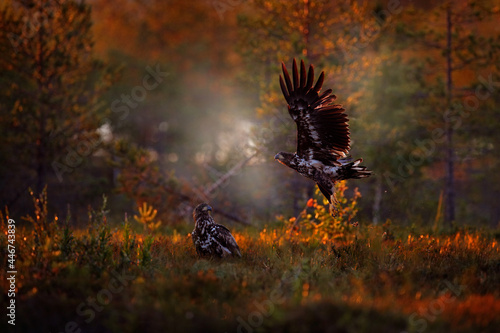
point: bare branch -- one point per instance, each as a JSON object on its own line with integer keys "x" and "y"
{"x": 210, "y": 189}
{"x": 231, "y": 217}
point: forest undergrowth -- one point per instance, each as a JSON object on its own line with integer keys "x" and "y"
{"x": 306, "y": 273}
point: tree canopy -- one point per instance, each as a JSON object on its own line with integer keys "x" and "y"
{"x": 172, "y": 103}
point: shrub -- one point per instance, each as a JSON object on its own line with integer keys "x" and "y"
{"x": 316, "y": 222}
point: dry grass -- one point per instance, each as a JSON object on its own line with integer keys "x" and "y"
{"x": 374, "y": 279}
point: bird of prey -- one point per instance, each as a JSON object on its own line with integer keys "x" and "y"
{"x": 323, "y": 139}
{"x": 211, "y": 239}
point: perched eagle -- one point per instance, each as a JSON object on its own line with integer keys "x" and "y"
{"x": 322, "y": 133}
{"x": 211, "y": 239}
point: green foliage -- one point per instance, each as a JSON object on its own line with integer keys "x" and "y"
{"x": 128, "y": 243}
{"x": 96, "y": 244}
{"x": 145, "y": 251}
{"x": 67, "y": 242}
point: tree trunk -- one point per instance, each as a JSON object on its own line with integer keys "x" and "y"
{"x": 449, "y": 214}
{"x": 41, "y": 169}
{"x": 377, "y": 201}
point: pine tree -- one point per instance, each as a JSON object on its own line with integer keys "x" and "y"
{"x": 454, "y": 46}
{"x": 336, "y": 37}
{"x": 49, "y": 92}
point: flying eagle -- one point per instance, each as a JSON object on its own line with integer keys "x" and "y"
{"x": 322, "y": 133}
{"x": 211, "y": 239}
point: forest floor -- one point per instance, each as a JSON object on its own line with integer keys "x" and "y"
{"x": 370, "y": 279}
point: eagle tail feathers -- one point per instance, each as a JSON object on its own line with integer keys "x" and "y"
{"x": 353, "y": 170}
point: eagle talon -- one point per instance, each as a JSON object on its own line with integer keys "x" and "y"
{"x": 334, "y": 210}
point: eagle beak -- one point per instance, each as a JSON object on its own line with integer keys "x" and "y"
{"x": 278, "y": 157}
{"x": 207, "y": 208}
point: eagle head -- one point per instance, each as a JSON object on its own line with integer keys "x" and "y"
{"x": 201, "y": 209}
{"x": 287, "y": 159}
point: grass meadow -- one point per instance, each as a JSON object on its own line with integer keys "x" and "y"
{"x": 311, "y": 275}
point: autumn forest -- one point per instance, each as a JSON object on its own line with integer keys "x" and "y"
{"x": 118, "y": 118}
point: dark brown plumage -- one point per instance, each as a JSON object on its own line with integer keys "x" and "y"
{"x": 211, "y": 239}
{"x": 323, "y": 141}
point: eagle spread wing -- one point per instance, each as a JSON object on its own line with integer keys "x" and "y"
{"x": 322, "y": 129}
{"x": 322, "y": 133}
